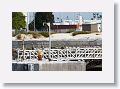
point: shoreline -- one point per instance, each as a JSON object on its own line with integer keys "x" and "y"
{"x": 65, "y": 37}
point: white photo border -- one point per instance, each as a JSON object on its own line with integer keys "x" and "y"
{"x": 104, "y": 76}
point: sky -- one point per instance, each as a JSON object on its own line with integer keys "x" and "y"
{"x": 71, "y": 15}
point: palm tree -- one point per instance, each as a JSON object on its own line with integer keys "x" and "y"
{"x": 100, "y": 16}
{"x": 61, "y": 20}
{"x": 97, "y": 15}
{"x": 67, "y": 18}
{"x": 58, "y": 19}
{"x": 91, "y": 18}
{"x": 94, "y": 15}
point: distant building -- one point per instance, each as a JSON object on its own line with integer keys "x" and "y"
{"x": 90, "y": 27}
{"x": 62, "y": 28}
{"x": 77, "y": 25}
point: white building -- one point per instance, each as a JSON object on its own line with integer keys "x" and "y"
{"x": 80, "y": 22}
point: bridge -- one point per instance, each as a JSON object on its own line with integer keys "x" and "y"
{"x": 68, "y": 54}
{"x": 69, "y": 59}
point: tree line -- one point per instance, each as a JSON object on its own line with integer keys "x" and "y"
{"x": 18, "y": 20}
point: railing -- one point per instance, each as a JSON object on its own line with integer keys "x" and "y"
{"x": 30, "y": 55}
{"x": 62, "y": 54}
{"x": 73, "y": 54}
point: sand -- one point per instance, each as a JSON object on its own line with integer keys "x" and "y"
{"x": 65, "y": 36}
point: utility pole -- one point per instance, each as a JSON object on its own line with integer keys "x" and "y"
{"x": 49, "y": 39}
{"x": 34, "y": 21}
{"x": 23, "y": 48}
{"x": 27, "y": 21}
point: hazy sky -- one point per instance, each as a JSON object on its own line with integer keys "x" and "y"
{"x": 71, "y": 15}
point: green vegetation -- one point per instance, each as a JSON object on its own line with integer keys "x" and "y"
{"x": 45, "y": 34}
{"x": 81, "y": 32}
{"x": 53, "y": 33}
{"x": 19, "y": 36}
{"x": 34, "y": 34}
{"x": 40, "y": 18}
{"x": 18, "y": 21}
{"x": 97, "y": 34}
{"x": 71, "y": 30}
